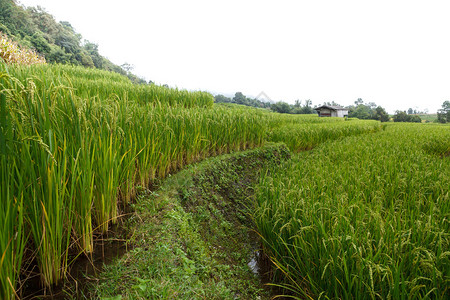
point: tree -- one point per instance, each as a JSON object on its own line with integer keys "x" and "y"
{"x": 402, "y": 116}
{"x": 332, "y": 103}
{"x": 415, "y": 119}
{"x": 92, "y": 50}
{"x": 57, "y": 55}
{"x": 362, "y": 112}
{"x": 45, "y": 23}
{"x": 40, "y": 43}
{"x": 381, "y": 114}
{"x": 410, "y": 111}
{"x": 221, "y": 99}
{"x": 367, "y": 111}
{"x": 359, "y": 101}
{"x": 239, "y": 98}
{"x": 281, "y": 107}
{"x": 16, "y": 19}
{"x": 127, "y": 67}
{"x": 307, "y": 109}
{"x": 86, "y": 60}
{"x": 443, "y": 114}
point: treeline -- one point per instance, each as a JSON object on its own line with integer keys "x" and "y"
{"x": 241, "y": 99}
{"x": 34, "y": 28}
{"x": 360, "y": 109}
{"x": 297, "y": 108}
{"x": 280, "y": 106}
{"x": 367, "y": 111}
{"x": 402, "y": 116}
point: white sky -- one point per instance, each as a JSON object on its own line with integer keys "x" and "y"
{"x": 395, "y": 53}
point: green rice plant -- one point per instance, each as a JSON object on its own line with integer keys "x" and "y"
{"x": 11, "y": 208}
{"x": 37, "y": 150}
{"x": 360, "y": 217}
{"x": 308, "y": 135}
{"x": 83, "y": 205}
{"x": 129, "y": 150}
{"x": 438, "y": 143}
{"x": 11, "y": 232}
{"x": 276, "y": 120}
{"x": 51, "y": 191}
{"x": 89, "y": 83}
{"x": 50, "y": 213}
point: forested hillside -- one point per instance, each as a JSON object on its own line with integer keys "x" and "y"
{"x": 58, "y": 42}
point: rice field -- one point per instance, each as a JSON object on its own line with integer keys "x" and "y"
{"x": 73, "y": 148}
{"x": 306, "y": 136}
{"x": 363, "y": 217}
{"x": 75, "y": 143}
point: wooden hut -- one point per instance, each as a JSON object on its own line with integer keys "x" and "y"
{"x": 331, "y": 111}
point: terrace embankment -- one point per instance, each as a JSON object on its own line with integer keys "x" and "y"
{"x": 192, "y": 237}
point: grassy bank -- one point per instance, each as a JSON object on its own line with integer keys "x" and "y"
{"x": 192, "y": 237}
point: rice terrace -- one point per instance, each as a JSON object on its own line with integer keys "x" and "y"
{"x": 113, "y": 188}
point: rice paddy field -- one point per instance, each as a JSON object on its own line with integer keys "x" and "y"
{"x": 365, "y": 213}
{"x": 73, "y": 148}
{"x": 365, "y": 217}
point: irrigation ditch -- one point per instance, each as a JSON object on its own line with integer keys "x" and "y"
{"x": 191, "y": 236}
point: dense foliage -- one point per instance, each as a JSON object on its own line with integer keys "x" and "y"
{"x": 280, "y": 106}
{"x": 367, "y": 111}
{"x": 241, "y": 99}
{"x": 34, "y": 28}
{"x": 297, "y": 108}
{"x": 402, "y": 116}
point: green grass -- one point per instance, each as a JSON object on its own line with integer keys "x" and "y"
{"x": 362, "y": 217}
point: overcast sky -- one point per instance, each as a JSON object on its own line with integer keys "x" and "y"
{"x": 395, "y": 53}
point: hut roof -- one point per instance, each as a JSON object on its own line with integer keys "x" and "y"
{"x": 331, "y": 107}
